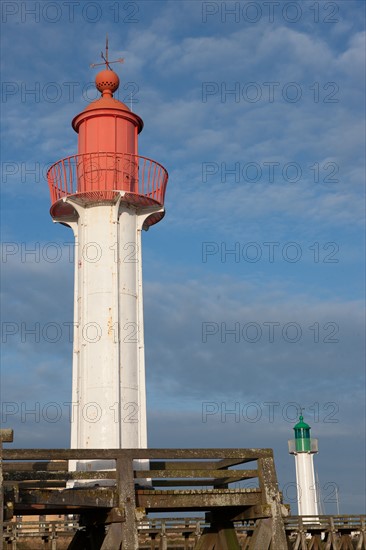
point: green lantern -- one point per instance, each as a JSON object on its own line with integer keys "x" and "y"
{"x": 302, "y": 436}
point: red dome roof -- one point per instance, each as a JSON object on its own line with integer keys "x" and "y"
{"x": 107, "y": 83}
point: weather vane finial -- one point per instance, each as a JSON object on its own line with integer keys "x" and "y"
{"x": 106, "y": 61}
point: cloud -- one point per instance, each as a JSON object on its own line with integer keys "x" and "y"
{"x": 264, "y": 334}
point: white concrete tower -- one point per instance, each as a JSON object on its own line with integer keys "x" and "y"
{"x": 303, "y": 447}
{"x": 108, "y": 194}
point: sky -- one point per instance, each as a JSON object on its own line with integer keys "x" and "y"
{"x": 253, "y": 281}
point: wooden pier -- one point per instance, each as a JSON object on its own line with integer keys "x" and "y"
{"x": 183, "y": 480}
{"x": 111, "y": 509}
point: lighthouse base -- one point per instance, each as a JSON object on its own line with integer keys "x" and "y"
{"x": 307, "y": 497}
{"x": 108, "y": 380}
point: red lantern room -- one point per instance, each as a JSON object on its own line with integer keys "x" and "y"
{"x": 107, "y": 124}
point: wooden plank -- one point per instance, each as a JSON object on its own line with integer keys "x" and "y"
{"x": 199, "y": 465}
{"x": 34, "y": 484}
{"x": 23, "y": 509}
{"x": 81, "y": 454}
{"x": 361, "y": 544}
{"x": 116, "y": 515}
{"x": 53, "y": 466}
{"x": 270, "y": 493}
{"x": 227, "y": 538}
{"x": 194, "y": 500}
{"x": 260, "y": 511}
{"x": 81, "y": 497}
{"x": 207, "y": 541}
{"x": 126, "y": 491}
{"x": 6, "y": 435}
{"x": 227, "y": 462}
{"x": 226, "y": 475}
{"x": 183, "y": 465}
{"x": 262, "y": 535}
{"x": 157, "y": 484}
{"x": 49, "y": 476}
{"x": 113, "y": 538}
{"x": 202, "y": 492}
{"x": 191, "y": 483}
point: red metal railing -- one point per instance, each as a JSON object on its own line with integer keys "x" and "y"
{"x": 91, "y": 172}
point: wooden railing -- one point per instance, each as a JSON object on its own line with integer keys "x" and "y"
{"x": 168, "y": 467}
{"x": 159, "y": 533}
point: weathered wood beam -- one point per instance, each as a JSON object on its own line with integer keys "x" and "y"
{"x": 199, "y": 465}
{"x": 113, "y": 538}
{"x": 191, "y": 483}
{"x": 49, "y": 476}
{"x": 226, "y": 475}
{"x": 100, "y": 497}
{"x": 6, "y": 435}
{"x": 128, "y": 534}
{"x": 194, "y": 500}
{"x": 81, "y": 454}
{"x": 262, "y": 536}
{"x": 271, "y": 495}
{"x": 227, "y": 538}
{"x": 260, "y": 511}
{"x": 54, "y": 466}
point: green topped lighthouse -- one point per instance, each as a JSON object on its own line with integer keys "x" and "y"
{"x": 304, "y": 447}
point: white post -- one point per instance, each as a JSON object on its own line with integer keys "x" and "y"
{"x": 307, "y": 496}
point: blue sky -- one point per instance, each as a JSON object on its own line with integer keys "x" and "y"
{"x": 257, "y": 111}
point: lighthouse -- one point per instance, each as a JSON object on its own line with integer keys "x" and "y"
{"x": 304, "y": 447}
{"x": 107, "y": 194}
